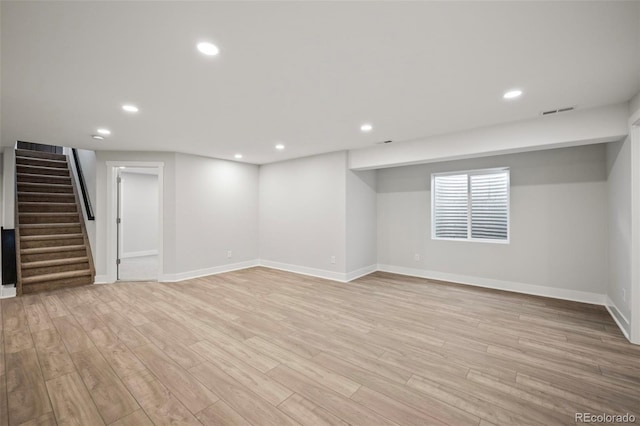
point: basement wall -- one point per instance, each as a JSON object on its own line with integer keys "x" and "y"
{"x": 216, "y": 212}
{"x": 361, "y": 216}
{"x": 619, "y": 238}
{"x": 558, "y": 236}
{"x": 1, "y": 208}
{"x": 302, "y": 215}
{"x": 210, "y": 206}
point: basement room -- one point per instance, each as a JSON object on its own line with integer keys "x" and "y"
{"x": 277, "y": 213}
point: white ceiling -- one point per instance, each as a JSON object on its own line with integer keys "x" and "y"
{"x": 306, "y": 74}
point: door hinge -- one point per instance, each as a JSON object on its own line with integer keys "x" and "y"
{"x": 117, "y": 261}
{"x": 119, "y": 179}
{"x": 118, "y": 221}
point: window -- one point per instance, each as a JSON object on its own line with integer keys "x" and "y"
{"x": 471, "y": 206}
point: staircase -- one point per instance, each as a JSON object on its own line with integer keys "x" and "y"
{"x": 52, "y": 246}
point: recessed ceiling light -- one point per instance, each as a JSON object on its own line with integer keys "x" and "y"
{"x": 512, "y": 94}
{"x": 238, "y": 156}
{"x": 280, "y": 146}
{"x": 130, "y": 108}
{"x": 366, "y": 127}
{"x": 208, "y": 49}
{"x": 104, "y": 131}
{"x": 98, "y": 137}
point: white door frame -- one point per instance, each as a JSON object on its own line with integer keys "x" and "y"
{"x": 112, "y": 214}
{"x": 634, "y": 135}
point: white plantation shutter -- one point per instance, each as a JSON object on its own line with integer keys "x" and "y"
{"x": 489, "y": 205}
{"x": 451, "y": 206}
{"x": 471, "y": 205}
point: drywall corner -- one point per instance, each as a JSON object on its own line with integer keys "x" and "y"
{"x": 634, "y": 105}
{"x": 361, "y": 220}
{"x": 302, "y": 214}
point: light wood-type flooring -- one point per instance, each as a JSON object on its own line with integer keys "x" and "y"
{"x": 265, "y": 347}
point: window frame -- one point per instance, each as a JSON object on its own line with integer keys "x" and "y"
{"x": 469, "y": 173}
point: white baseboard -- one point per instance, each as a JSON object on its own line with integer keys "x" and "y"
{"x": 536, "y": 290}
{"x": 101, "y": 279}
{"x": 353, "y": 275}
{"x": 7, "y": 291}
{"x": 139, "y": 254}
{"x": 304, "y": 270}
{"x": 208, "y": 271}
{"x": 623, "y": 323}
{"x": 320, "y": 273}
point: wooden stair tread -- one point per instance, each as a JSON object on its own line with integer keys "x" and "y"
{"x": 47, "y": 194}
{"x": 49, "y": 237}
{"x": 41, "y": 202}
{"x": 39, "y": 154}
{"x": 55, "y": 185}
{"x": 26, "y": 157}
{"x": 21, "y": 174}
{"x": 49, "y": 213}
{"x": 56, "y": 276}
{"x": 42, "y": 179}
{"x": 49, "y": 225}
{"x": 38, "y": 250}
{"x": 54, "y": 262}
{"x": 39, "y": 167}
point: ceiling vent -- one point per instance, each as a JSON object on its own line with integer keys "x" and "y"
{"x": 383, "y": 142}
{"x": 557, "y": 111}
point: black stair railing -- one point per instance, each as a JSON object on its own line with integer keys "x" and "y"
{"x": 83, "y": 185}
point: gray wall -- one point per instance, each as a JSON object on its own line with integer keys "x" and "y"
{"x": 216, "y": 205}
{"x": 558, "y": 221}
{"x": 210, "y": 206}
{"x": 302, "y": 212}
{"x": 8, "y": 185}
{"x": 634, "y": 103}
{"x": 139, "y": 213}
{"x": 1, "y": 201}
{"x": 88, "y": 163}
{"x": 619, "y": 204}
{"x": 361, "y": 220}
{"x": 1, "y": 188}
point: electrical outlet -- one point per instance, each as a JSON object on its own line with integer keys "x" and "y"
{"x": 229, "y": 254}
{"x": 624, "y": 295}
{"x": 416, "y": 257}
{"x": 333, "y": 259}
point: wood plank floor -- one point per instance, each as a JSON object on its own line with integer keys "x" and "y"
{"x": 265, "y": 347}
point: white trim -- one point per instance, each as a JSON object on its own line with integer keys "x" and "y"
{"x": 354, "y": 275}
{"x": 119, "y": 198}
{"x": 536, "y": 290}
{"x": 469, "y": 174}
{"x": 617, "y": 315}
{"x": 115, "y": 163}
{"x": 139, "y": 254}
{"x": 111, "y": 254}
{"x": 7, "y": 291}
{"x": 634, "y": 139}
{"x": 318, "y": 273}
{"x": 101, "y": 279}
{"x": 181, "y": 276}
{"x": 489, "y": 171}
